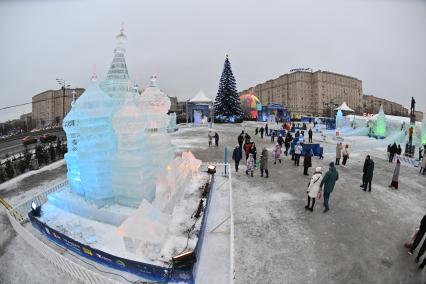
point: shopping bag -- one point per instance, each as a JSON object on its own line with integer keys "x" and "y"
{"x": 319, "y": 195}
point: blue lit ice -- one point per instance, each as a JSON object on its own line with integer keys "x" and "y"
{"x": 96, "y": 145}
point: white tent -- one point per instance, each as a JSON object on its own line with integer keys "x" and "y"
{"x": 344, "y": 107}
{"x": 200, "y": 97}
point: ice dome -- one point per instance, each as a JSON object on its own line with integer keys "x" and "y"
{"x": 153, "y": 100}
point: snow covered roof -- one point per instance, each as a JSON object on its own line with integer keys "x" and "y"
{"x": 344, "y": 107}
{"x": 200, "y": 97}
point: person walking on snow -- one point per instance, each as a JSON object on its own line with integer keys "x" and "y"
{"x": 314, "y": 188}
{"x": 329, "y": 181}
{"x": 210, "y": 135}
{"x": 423, "y": 165}
{"x": 277, "y": 153}
{"x": 394, "y": 183}
{"x": 310, "y": 133}
{"x": 253, "y": 150}
{"x": 247, "y": 148}
{"x": 417, "y": 240}
{"x": 307, "y": 163}
{"x": 250, "y": 165}
{"x": 264, "y": 163}
{"x": 280, "y": 140}
{"x": 345, "y": 154}
{"x": 261, "y": 132}
{"x": 287, "y": 141}
{"x": 237, "y": 156}
{"x": 339, "y": 148}
{"x": 266, "y": 130}
{"x": 297, "y": 152}
{"x": 216, "y": 139}
{"x": 256, "y": 131}
{"x": 369, "y": 169}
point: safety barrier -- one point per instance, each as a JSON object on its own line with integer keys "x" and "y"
{"x": 76, "y": 270}
{"x": 19, "y": 215}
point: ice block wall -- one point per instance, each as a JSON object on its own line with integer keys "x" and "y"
{"x": 130, "y": 164}
{"x": 96, "y": 145}
{"x": 71, "y": 128}
{"x": 159, "y": 151}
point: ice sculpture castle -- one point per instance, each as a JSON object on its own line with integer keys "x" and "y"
{"x": 120, "y": 151}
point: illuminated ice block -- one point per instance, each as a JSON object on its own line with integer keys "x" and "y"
{"x": 158, "y": 149}
{"x": 72, "y": 130}
{"x": 380, "y": 124}
{"x": 129, "y": 163}
{"x": 96, "y": 145}
{"x": 339, "y": 119}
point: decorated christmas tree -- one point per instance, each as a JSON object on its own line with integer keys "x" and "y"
{"x": 227, "y": 106}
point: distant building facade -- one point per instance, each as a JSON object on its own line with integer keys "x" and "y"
{"x": 371, "y": 104}
{"x": 418, "y": 115}
{"x": 310, "y": 93}
{"x": 27, "y": 121}
{"x": 50, "y": 107}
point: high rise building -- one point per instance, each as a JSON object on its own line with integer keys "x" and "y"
{"x": 304, "y": 92}
{"x": 371, "y": 104}
{"x": 50, "y": 107}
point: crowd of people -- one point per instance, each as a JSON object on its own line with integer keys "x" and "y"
{"x": 320, "y": 185}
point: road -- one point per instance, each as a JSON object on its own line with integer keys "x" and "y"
{"x": 11, "y": 147}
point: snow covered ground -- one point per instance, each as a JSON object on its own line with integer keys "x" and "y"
{"x": 276, "y": 240}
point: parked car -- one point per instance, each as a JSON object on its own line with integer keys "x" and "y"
{"x": 29, "y": 140}
{"x": 47, "y": 138}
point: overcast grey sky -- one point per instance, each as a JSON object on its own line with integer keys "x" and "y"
{"x": 381, "y": 42}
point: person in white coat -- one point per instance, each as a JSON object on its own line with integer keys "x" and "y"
{"x": 250, "y": 165}
{"x": 314, "y": 188}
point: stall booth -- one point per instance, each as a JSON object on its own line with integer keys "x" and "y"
{"x": 274, "y": 113}
{"x": 200, "y": 110}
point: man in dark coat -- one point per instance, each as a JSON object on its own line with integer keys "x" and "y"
{"x": 287, "y": 141}
{"x": 266, "y": 130}
{"x": 261, "y": 131}
{"x": 417, "y": 240}
{"x": 368, "y": 172}
{"x": 237, "y": 156}
{"x": 307, "y": 162}
{"x": 216, "y": 139}
{"x": 329, "y": 181}
{"x": 310, "y": 135}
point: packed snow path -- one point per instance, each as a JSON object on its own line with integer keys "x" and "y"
{"x": 360, "y": 240}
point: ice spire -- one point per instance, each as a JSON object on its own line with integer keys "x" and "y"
{"x": 116, "y": 82}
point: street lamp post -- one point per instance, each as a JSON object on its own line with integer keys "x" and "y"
{"x": 63, "y": 85}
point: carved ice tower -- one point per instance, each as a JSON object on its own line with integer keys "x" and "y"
{"x": 96, "y": 146}
{"x": 129, "y": 163}
{"x": 158, "y": 150}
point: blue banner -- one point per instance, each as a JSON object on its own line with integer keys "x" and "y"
{"x": 147, "y": 271}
